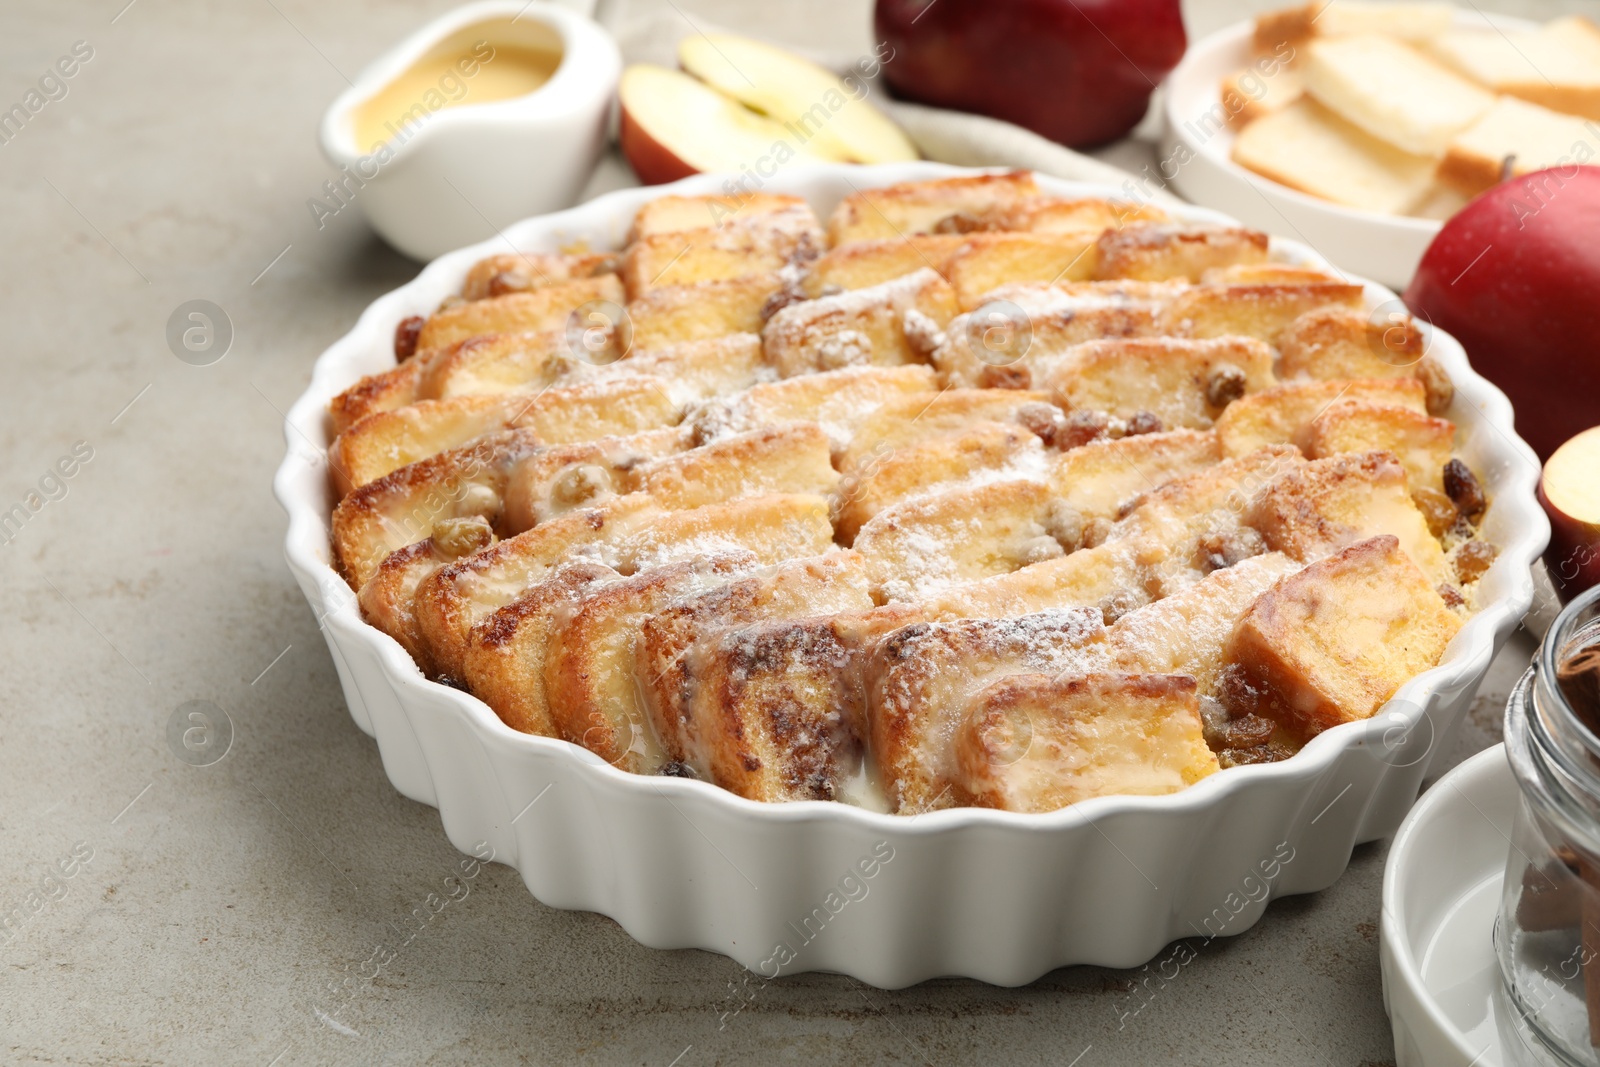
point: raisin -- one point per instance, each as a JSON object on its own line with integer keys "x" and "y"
{"x": 1450, "y": 595}
{"x": 1440, "y": 391}
{"x": 1045, "y": 421}
{"x": 677, "y": 769}
{"x": 405, "y": 337}
{"x": 963, "y": 222}
{"x": 1238, "y": 692}
{"x": 1225, "y": 384}
{"x": 1221, "y": 550}
{"x": 1472, "y": 559}
{"x": 1462, "y": 487}
{"x": 1081, "y": 427}
{"x": 1142, "y": 422}
{"x": 1439, "y": 511}
{"x": 1249, "y": 731}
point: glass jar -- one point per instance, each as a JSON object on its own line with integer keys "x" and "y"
{"x": 1547, "y": 936}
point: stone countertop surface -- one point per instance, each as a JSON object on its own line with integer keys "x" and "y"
{"x": 220, "y": 904}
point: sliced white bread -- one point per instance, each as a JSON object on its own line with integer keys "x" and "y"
{"x": 1556, "y": 66}
{"x": 1339, "y": 18}
{"x": 1534, "y": 137}
{"x": 1248, "y": 94}
{"x": 1307, "y": 147}
{"x": 1393, "y": 91}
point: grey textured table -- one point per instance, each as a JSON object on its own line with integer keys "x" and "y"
{"x": 222, "y": 906}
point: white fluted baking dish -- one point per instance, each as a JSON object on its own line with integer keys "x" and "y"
{"x": 891, "y": 900}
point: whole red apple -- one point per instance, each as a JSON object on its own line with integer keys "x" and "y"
{"x": 1515, "y": 276}
{"x": 1079, "y": 72}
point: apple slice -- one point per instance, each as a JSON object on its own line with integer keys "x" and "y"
{"x": 674, "y": 126}
{"x": 1570, "y": 492}
{"x": 815, "y": 108}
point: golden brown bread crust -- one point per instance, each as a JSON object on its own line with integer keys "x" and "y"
{"x": 1184, "y": 383}
{"x": 534, "y": 311}
{"x": 669, "y": 314}
{"x": 918, "y": 207}
{"x": 862, "y": 327}
{"x": 675, "y": 214}
{"x": 1159, "y": 251}
{"x": 401, "y": 507}
{"x": 514, "y": 272}
{"x": 737, "y": 248}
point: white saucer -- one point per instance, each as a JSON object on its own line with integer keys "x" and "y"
{"x": 1441, "y": 893}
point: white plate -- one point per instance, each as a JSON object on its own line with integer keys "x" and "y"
{"x": 1196, "y": 160}
{"x": 1441, "y": 893}
{"x": 988, "y": 894}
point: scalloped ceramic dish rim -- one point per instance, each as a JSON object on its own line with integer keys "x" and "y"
{"x": 547, "y": 101}
{"x": 307, "y": 547}
{"x": 1234, "y": 37}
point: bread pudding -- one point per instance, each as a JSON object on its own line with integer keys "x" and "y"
{"x": 965, "y": 495}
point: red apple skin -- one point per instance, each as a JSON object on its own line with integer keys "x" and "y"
{"x": 652, "y": 162}
{"x": 1079, "y": 72}
{"x": 1515, "y": 277}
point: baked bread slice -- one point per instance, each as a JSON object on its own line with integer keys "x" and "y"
{"x": 534, "y": 311}
{"x": 736, "y": 248}
{"x": 1556, "y": 66}
{"x": 882, "y": 325}
{"x": 986, "y": 261}
{"x": 838, "y": 401}
{"x": 1307, "y": 147}
{"x": 1184, "y": 383}
{"x": 918, "y": 207}
{"x": 904, "y": 421}
{"x": 1039, "y": 742}
{"x": 1163, "y": 251}
{"x": 865, "y": 263}
{"x": 1250, "y": 94}
{"x": 1331, "y": 644}
{"x": 1296, "y": 26}
{"x": 1282, "y": 414}
{"x": 1394, "y": 92}
{"x": 676, "y": 214}
{"x": 1054, "y": 214}
{"x": 561, "y": 478}
{"x": 1529, "y": 136}
{"x": 515, "y": 272}
{"x": 669, "y": 314}
{"x": 1422, "y": 443}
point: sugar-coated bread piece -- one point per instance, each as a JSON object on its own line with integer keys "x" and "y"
{"x": 1294, "y": 26}
{"x": 1111, "y": 577}
{"x": 1162, "y": 251}
{"x": 676, "y": 214}
{"x": 791, "y": 458}
{"x": 515, "y": 272}
{"x": 1039, "y": 742}
{"x": 1317, "y": 508}
{"x": 1094, "y": 481}
{"x": 1191, "y": 526}
{"x": 492, "y": 363}
{"x": 591, "y": 689}
{"x": 1332, "y": 643}
{"x": 383, "y": 391}
{"x": 1261, "y": 311}
{"x": 737, "y": 248}
{"x": 894, "y": 323}
{"x": 1280, "y": 415}
{"x": 1188, "y": 632}
{"x": 838, "y": 401}
{"x": 777, "y": 708}
{"x": 1250, "y": 94}
{"x": 504, "y": 659}
{"x": 908, "y": 420}
{"x": 1533, "y": 137}
{"x": 688, "y": 371}
{"x": 561, "y": 478}
{"x": 986, "y": 261}
{"x": 918, "y": 547}
{"x": 918, "y": 207}
{"x": 388, "y": 440}
{"x": 864, "y": 263}
{"x": 1343, "y": 343}
{"x": 668, "y": 314}
{"x": 982, "y": 451}
{"x": 402, "y": 507}
{"x": 1393, "y": 91}
{"x": 1184, "y": 383}
{"x": 1420, "y": 442}
{"x": 1556, "y": 66}
{"x": 1273, "y": 272}
{"x": 1057, "y": 214}
{"x": 1307, "y": 147}
{"x": 533, "y": 311}
{"x": 810, "y": 586}
{"x": 997, "y": 344}
{"x": 487, "y": 622}
{"x": 921, "y": 678}
{"x": 455, "y": 598}
{"x": 388, "y": 599}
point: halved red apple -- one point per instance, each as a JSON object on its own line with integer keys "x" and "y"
{"x": 816, "y": 108}
{"x": 1569, "y": 489}
{"x": 674, "y": 126}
